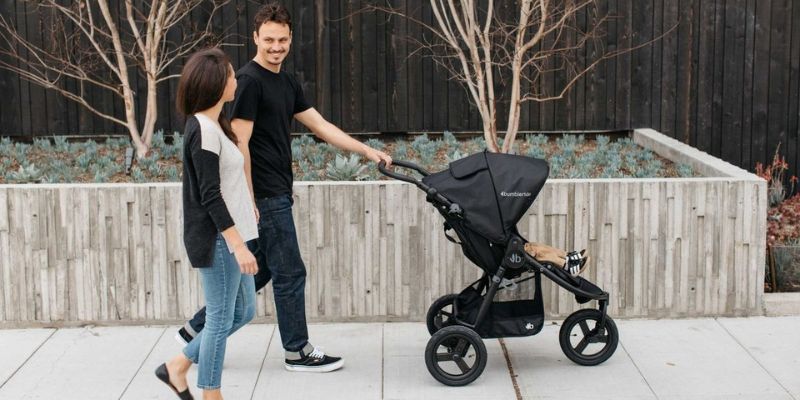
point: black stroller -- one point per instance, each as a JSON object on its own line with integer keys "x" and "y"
{"x": 482, "y": 197}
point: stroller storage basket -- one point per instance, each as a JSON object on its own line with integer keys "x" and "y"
{"x": 505, "y": 318}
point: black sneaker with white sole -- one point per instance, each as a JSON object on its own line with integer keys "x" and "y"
{"x": 315, "y": 361}
{"x": 183, "y": 336}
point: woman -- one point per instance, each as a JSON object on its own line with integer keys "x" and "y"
{"x": 218, "y": 220}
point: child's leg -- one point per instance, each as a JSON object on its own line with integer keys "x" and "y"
{"x": 574, "y": 262}
{"x": 545, "y": 253}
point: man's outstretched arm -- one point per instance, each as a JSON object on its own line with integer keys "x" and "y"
{"x": 330, "y": 133}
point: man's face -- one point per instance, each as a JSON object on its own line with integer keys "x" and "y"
{"x": 273, "y": 41}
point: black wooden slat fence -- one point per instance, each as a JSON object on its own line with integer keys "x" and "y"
{"x": 727, "y": 80}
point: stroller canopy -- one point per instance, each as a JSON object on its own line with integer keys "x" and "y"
{"x": 493, "y": 190}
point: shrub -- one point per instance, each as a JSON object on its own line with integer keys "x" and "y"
{"x": 25, "y": 174}
{"x": 346, "y": 169}
{"x": 571, "y": 158}
{"x": 376, "y": 144}
{"x": 450, "y": 140}
{"x": 774, "y": 175}
{"x": 685, "y": 170}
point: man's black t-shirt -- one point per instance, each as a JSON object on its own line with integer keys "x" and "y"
{"x": 270, "y": 100}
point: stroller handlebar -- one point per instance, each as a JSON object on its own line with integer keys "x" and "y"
{"x": 432, "y": 192}
{"x": 399, "y": 176}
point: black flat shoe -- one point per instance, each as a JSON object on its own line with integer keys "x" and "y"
{"x": 163, "y": 375}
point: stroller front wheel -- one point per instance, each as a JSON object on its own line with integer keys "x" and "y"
{"x": 455, "y": 355}
{"x": 583, "y": 342}
{"x": 440, "y": 313}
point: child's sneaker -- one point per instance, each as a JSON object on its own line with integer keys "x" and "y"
{"x": 314, "y": 361}
{"x": 576, "y": 262}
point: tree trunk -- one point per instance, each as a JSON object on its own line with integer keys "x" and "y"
{"x": 514, "y": 107}
{"x": 151, "y": 114}
{"x": 490, "y": 135}
{"x": 122, "y": 72}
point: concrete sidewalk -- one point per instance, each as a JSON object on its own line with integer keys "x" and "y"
{"x": 748, "y": 358}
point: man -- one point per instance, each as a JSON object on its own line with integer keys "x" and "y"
{"x": 267, "y": 98}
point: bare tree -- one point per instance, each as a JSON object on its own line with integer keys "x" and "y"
{"x": 84, "y": 42}
{"x": 480, "y": 49}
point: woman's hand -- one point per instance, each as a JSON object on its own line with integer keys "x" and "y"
{"x": 246, "y": 260}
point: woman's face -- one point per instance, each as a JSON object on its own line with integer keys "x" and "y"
{"x": 230, "y": 85}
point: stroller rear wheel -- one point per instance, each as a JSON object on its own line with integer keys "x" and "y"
{"x": 455, "y": 355}
{"x": 440, "y": 313}
{"x": 582, "y": 341}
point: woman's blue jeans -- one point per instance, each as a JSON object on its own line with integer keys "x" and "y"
{"x": 230, "y": 304}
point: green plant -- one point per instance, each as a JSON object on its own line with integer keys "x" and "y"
{"x": 21, "y": 151}
{"x": 346, "y": 169}
{"x": 90, "y": 146}
{"x": 307, "y": 171}
{"x": 43, "y": 144}
{"x": 376, "y": 144}
{"x": 300, "y": 145}
{"x": 538, "y": 140}
{"x": 317, "y": 158}
{"x": 100, "y": 176}
{"x": 557, "y": 162}
{"x": 685, "y": 170}
{"x": 455, "y": 155}
{"x": 420, "y": 141}
{"x": 6, "y": 146}
{"x": 475, "y": 145}
{"x": 172, "y": 174}
{"x": 25, "y": 174}
{"x": 427, "y": 153}
{"x": 653, "y": 167}
{"x": 138, "y": 175}
{"x": 177, "y": 145}
{"x": 157, "y": 142}
{"x": 304, "y": 140}
{"x": 602, "y": 140}
{"x": 401, "y": 150}
{"x": 450, "y": 140}
{"x": 154, "y": 169}
{"x": 60, "y": 144}
{"x": 631, "y": 162}
{"x": 6, "y": 163}
{"x": 146, "y": 162}
{"x": 83, "y": 160}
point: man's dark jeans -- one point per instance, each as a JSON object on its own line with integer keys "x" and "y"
{"x": 278, "y": 257}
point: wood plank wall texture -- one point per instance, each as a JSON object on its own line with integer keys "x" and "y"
{"x": 726, "y": 81}
{"x": 113, "y": 253}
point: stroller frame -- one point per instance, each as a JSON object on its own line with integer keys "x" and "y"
{"x": 515, "y": 262}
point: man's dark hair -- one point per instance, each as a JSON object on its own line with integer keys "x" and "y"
{"x": 272, "y": 12}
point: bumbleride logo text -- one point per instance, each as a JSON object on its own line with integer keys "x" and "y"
{"x": 515, "y": 194}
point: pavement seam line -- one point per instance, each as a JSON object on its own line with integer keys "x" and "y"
{"x": 263, "y": 361}
{"x": 627, "y": 353}
{"x": 28, "y": 359}
{"x": 144, "y": 360}
{"x": 510, "y": 367}
{"x": 754, "y": 358}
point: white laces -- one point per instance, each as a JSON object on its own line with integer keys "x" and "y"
{"x": 317, "y": 353}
